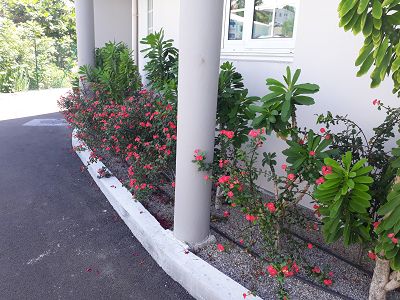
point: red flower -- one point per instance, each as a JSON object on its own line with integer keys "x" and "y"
{"x": 395, "y": 241}
{"x": 291, "y": 176}
{"x": 371, "y": 255}
{"x": 271, "y": 207}
{"x": 295, "y": 267}
{"x": 251, "y": 218}
{"x": 328, "y": 282}
{"x": 230, "y": 194}
{"x": 227, "y": 133}
{"x": 206, "y": 177}
{"x": 254, "y": 133}
{"x": 322, "y": 130}
{"x": 244, "y": 295}
{"x": 220, "y": 248}
{"x": 286, "y": 272}
{"x": 309, "y": 246}
{"x": 226, "y": 214}
{"x": 390, "y": 235}
{"x": 312, "y": 153}
{"x": 241, "y": 241}
{"x": 328, "y": 137}
{"x": 326, "y": 170}
{"x": 316, "y": 270}
{"x": 320, "y": 180}
{"x": 199, "y": 157}
{"x": 272, "y": 271}
{"x": 173, "y": 184}
{"x": 376, "y": 224}
{"x": 330, "y": 274}
{"x": 284, "y": 166}
{"x": 224, "y": 179}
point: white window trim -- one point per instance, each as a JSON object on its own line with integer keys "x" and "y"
{"x": 274, "y": 49}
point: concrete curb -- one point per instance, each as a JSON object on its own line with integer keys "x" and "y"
{"x": 199, "y": 278}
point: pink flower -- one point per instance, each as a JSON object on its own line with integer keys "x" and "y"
{"x": 227, "y": 133}
{"x": 251, "y": 218}
{"x": 326, "y": 170}
{"x": 206, "y": 177}
{"x": 199, "y": 157}
{"x": 271, "y": 207}
{"x": 173, "y": 184}
{"x": 312, "y": 153}
{"x": 244, "y": 295}
{"x": 395, "y": 241}
{"x": 272, "y": 271}
{"x": 320, "y": 180}
{"x": 254, "y": 133}
{"x": 322, "y": 130}
{"x": 330, "y": 274}
{"x": 291, "y": 176}
{"x": 316, "y": 270}
{"x": 371, "y": 255}
{"x": 376, "y": 224}
{"x": 220, "y": 248}
{"x": 241, "y": 241}
{"x": 376, "y": 102}
{"x": 327, "y": 282}
{"x": 286, "y": 272}
{"x": 230, "y": 194}
{"x": 224, "y": 179}
{"x": 309, "y": 246}
{"x": 226, "y": 214}
{"x": 390, "y": 235}
{"x": 284, "y": 166}
{"x": 328, "y": 137}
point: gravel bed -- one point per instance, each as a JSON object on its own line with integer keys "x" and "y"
{"x": 248, "y": 270}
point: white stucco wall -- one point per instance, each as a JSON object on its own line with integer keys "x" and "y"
{"x": 113, "y": 21}
{"x": 326, "y": 55}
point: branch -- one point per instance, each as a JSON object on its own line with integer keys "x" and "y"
{"x": 394, "y": 282}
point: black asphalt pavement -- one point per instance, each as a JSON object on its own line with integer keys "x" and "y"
{"x": 59, "y": 236}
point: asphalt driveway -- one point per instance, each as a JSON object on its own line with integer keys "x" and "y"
{"x": 59, "y": 236}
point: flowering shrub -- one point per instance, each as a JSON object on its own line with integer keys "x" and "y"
{"x": 141, "y": 130}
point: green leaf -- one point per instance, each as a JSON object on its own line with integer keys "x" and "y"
{"x": 308, "y": 87}
{"x": 362, "y": 6}
{"x": 366, "y": 65}
{"x": 286, "y": 110}
{"x": 363, "y": 179}
{"x": 304, "y": 100}
{"x": 364, "y": 53}
{"x": 376, "y": 9}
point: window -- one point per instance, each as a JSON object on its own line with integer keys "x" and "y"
{"x": 259, "y": 27}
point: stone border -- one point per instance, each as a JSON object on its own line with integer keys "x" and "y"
{"x": 199, "y": 278}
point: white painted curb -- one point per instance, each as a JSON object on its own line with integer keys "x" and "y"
{"x": 199, "y": 278}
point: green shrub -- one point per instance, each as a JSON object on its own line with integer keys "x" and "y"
{"x": 115, "y": 71}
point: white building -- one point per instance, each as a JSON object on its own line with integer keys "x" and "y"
{"x": 262, "y": 37}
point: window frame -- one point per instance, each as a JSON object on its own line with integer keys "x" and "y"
{"x": 280, "y": 49}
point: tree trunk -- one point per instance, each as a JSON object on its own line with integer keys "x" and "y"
{"x": 377, "y": 289}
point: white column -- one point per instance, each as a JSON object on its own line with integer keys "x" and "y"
{"x": 85, "y": 31}
{"x": 199, "y": 58}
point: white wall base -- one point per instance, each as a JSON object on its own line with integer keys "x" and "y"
{"x": 199, "y": 278}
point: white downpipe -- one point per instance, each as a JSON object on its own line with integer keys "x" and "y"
{"x": 85, "y": 31}
{"x": 199, "y": 54}
{"x": 135, "y": 23}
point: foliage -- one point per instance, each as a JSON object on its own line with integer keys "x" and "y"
{"x": 306, "y": 156}
{"x": 379, "y": 22}
{"x": 233, "y": 104}
{"x": 279, "y": 106}
{"x": 162, "y": 63}
{"x": 115, "y": 71}
{"x": 37, "y": 44}
{"x": 345, "y": 200}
